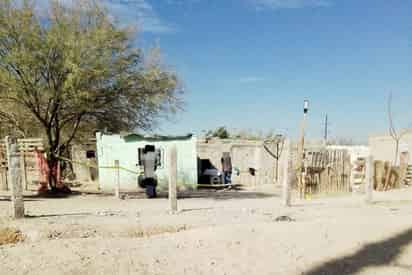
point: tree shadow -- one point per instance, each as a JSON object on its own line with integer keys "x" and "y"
{"x": 8, "y": 198}
{"x": 196, "y": 209}
{"x": 216, "y": 194}
{"x": 392, "y": 202}
{"x": 57, "y": 215}
{"x": 54, "y": 195}
{"x": 224, "y": 194}
{"x": 221, "y": 193}
{"x": 382, "y": 253}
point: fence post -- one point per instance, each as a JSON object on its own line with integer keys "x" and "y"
{"x": 3, "y": 171}
{"x": 173, "y": 179}
{"x": 17, "y": 200}
{"x": 369, "y": 179}
{"x": 286, "y": 196}
{"x": 23, "y": 167}
{"x": 117, "y": 187}
{"x": 3, "y": 178}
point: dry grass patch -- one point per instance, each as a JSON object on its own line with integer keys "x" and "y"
{"x": 141, "y": 232}
{"x": 10, "y": 236}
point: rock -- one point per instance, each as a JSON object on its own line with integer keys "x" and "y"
{"x": 54, "y": 234}
{"x": 284, "y": 219}
{"x": 107, "y": 213}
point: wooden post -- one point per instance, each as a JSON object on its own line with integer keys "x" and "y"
{"x": 286, "y": 196}
{"x": 369, "y": 179}
{"x": 17, "y": 200}
{"x": 387, "y": 177}
{"x": 23, "y": 167}
{"x": 89, "y": 170}
{"x": 300, "y": 164}
{"x": 3, "y": 178}
{"x": 173, "y": 179}
{"x": 3, "y": 172}
{"x": 403, "y": 167}
{"x": 117, "y": 187}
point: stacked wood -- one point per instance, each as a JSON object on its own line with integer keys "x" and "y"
{"x": 387, "y": 176}
{"x": 403, "y": 167}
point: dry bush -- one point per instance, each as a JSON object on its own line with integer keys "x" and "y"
{"x": 10, "y": 236}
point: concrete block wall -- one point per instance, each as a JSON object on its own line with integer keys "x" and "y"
{"x": 245, "y": 154}
{"x": 382, "y": 147}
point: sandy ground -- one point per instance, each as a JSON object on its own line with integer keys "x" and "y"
{"x": 225, "y": 232}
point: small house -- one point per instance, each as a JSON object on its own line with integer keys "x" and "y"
{"x": 125, "y": 149}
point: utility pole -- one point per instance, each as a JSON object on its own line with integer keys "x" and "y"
{"x": 326, "y": 130}
{"x": 301, "y": 152}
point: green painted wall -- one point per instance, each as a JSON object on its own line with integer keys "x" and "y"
{"x": 125, "y": 149}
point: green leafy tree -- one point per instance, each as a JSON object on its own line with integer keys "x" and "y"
{"x": 72, "y": 70}
{"x": 220, "y": 132}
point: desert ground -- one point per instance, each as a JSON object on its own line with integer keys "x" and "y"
{"x": 214, "y": 232}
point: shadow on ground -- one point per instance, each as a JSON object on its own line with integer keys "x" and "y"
{"x": 205, "y": 194}
{"x": 382, "y": 253}
{"x": 8, "y": 198}
{"x": 58, "y": 215}
{"x": 217, "y": 194}
{"x": 225, "y": 194}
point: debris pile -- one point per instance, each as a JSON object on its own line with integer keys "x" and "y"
{"x": 10, "y": 236}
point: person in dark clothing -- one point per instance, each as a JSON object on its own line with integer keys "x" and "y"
{"x": 149, "y": 163}
{"x": 227, "y": 168}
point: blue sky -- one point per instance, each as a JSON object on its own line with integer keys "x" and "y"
{"x": 249, "y": 64}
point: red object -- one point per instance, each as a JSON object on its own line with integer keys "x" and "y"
{"x": 44, "y": 169}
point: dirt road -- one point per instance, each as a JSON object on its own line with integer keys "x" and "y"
{"x": 226, "y": 232}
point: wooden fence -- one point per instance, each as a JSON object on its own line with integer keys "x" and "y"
{"x": 327, "y": 171}
{"x": 26, "y": 150}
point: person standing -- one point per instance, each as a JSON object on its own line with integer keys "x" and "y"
{"x": 227, "y": 168}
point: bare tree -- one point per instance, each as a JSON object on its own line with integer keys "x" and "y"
{"x": 278, "y": 141}
{"x": 394, "y": 133}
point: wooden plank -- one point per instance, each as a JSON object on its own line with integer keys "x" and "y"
{"x": 23, "y": 170}
{"x": 3, "y": 179}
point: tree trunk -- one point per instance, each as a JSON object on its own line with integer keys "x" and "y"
{"x": 52, "y": 161}
{"x": 54, "y": 173}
